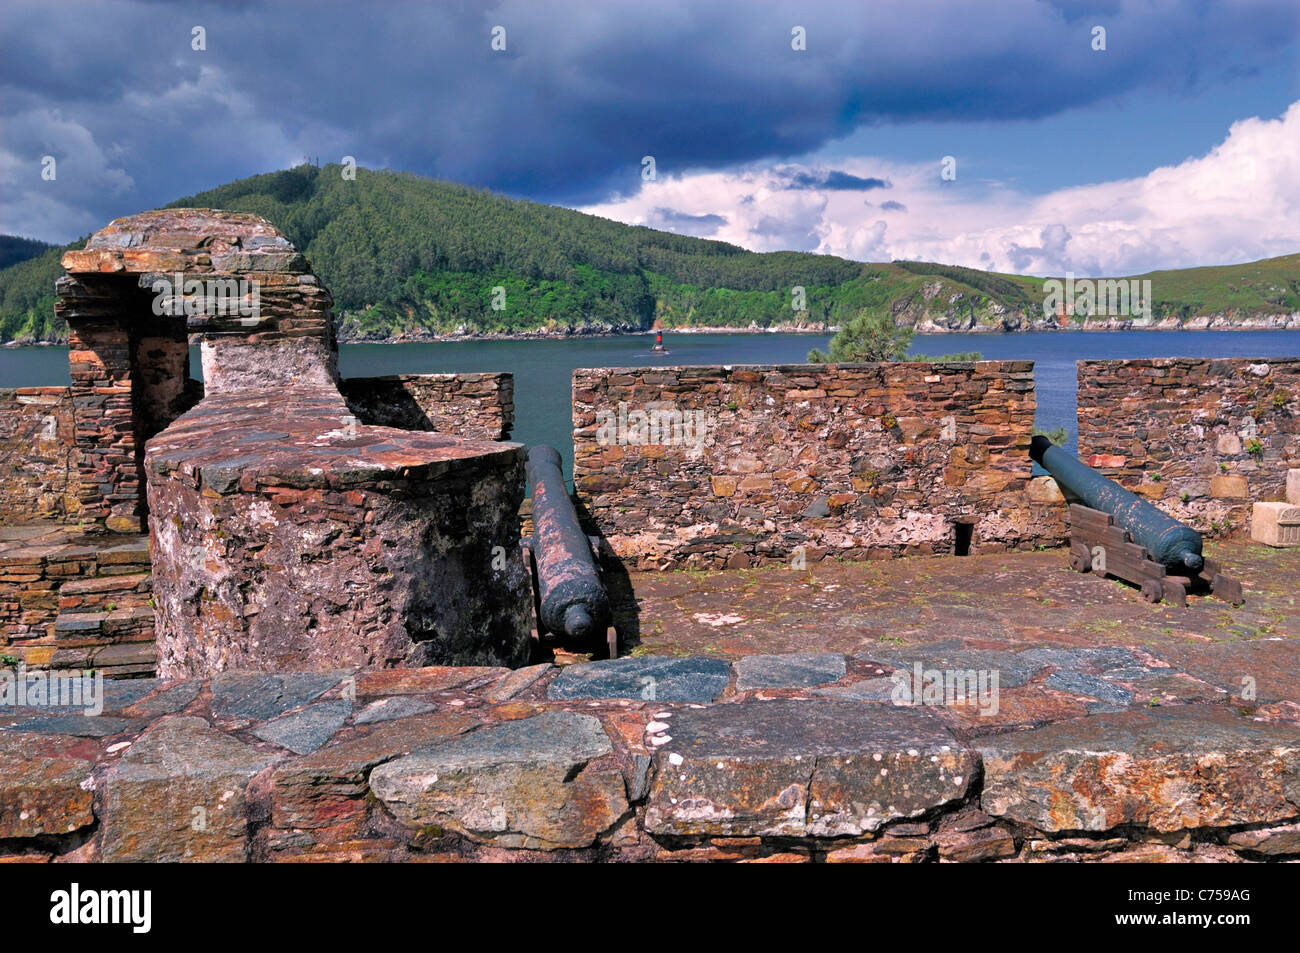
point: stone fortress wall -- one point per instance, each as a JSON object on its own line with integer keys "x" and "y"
{"x": 280, "y": 471}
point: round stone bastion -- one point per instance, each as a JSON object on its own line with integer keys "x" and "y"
{"x": 286, "y": 533}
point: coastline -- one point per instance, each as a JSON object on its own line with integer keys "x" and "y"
{"x": 1274, "y": 322}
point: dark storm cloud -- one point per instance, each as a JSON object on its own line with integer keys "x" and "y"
{"x": 701, "y": 225}
{"x": 834, "y": 180}
{"x": 582, "y": 92}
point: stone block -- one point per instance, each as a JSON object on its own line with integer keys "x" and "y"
{"x": 545, "y": 782}
{"x": 699, "y": 680}
{"x": 1167, "y": 770}
{"x": 800, "y": 670}
{"x": 1275, "y": 524}
{"x": 1293, "y": 486}
{"x": 815, "y": 768}
{"x": 1044, "y": 489}
{"x": 180, "y": 794}
{"x": 1228, "y": 486}
{"x": 44, "y": 786}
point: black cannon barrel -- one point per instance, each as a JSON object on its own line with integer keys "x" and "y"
{"x": 1173, "y": 544}
{"x": 571, "y": 595}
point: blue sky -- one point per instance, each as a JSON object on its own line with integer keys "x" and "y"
{"x": 1175, "y": 145}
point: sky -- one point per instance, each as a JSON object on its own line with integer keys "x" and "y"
{"x": 1029, "y": 136}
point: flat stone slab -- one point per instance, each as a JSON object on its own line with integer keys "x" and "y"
{"x": 44, "y": 786}
{"x": 879, "y": 689}
{"x": 1262, "y": 670}
{"x": 798, "y": 670}
{"x": 1092, "y": 686}
{"x": 82, "y": 725}
{"x": 302, "y": 732}
{"x": 699, "y": 680}
{"x": 1014, "y": 668}
{"x": 543, "y": 782}
{"x": 816, "y": 768}
{"x": 171, "y": 699}
{"x": 396, "y": 706}
{"x": 180, "y": 793}
{"x": 258, "y": 696}
{"x": 1167, "y": 769}
{"x": 327, "y": 788}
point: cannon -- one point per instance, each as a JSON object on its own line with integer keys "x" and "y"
{"x": 570, "y": 597}
{"x": 1115, "y": 532}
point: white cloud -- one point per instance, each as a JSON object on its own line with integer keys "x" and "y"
{"x": 1239, "y": 202}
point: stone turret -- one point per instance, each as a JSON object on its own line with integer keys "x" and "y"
{"x": 285, "y": 534}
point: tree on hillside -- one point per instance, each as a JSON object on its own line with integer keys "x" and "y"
{"x": 867, "y": 336}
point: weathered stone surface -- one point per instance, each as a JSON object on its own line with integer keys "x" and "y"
{"x": 180, "y": 793}
{"x": 84, "y": 726}
{"x": 1169, "y": 770}
{"x": 879, "y": 459}
{"x": 257, "y": 696}
{"x": 1013, "y": 668}
{"x": 1183, "y": 419}
{"x": 1080, "y": 683}
{"x": 171, "y": 699}
{"x": 544, "y": 782}
{"x": 432, "y": 678}
{"x": 800, "y": 768}
{"x": 863, "y": 690}
{"x": 801, "y": 670}
{"x": 651, "y": 678}
{"x": 986, "y": 843}
{"x": 397, "y": 706}
{"x": 304, "y": 731}
{"x": 44, "y": 786}
{"x": 517, "y": 682}
{"x": 327, "y": 789}
{"x": 1275, "y": 524}
{"x": 902, "y": 850}
{"x": 469, "y": 405}
{"x": 1262, "y": 671}
{"x": 1271, "y": 841}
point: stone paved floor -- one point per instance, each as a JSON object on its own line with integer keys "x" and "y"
{"x": 1118, "y": 731}
{"x": 1008, "y": 600}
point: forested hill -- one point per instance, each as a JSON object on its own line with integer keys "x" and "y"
{"x": 406, "y": 257}
{"x": 14, "y": 249}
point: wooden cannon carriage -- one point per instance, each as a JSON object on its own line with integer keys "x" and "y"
{"x": 1097, "y": 544}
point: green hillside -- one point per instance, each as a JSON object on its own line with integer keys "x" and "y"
{"x": 14, "y": 249}
{"x": 409, "y": 256}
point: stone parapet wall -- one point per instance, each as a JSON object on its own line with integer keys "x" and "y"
{"x": 1202, "y": 438}
{"x": 39, "y": 479}
{"x": 790, "y": 758}
{"x": 77, "y": 602}
{"x": 818, "y": 460}
{"x": 468, "y": 405}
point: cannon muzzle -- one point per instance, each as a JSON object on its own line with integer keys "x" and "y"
{"x": 1173, "y": 544}
{"x": 571, "y": 595}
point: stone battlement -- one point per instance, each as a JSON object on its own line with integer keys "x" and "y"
{"x": 772, "y": 758}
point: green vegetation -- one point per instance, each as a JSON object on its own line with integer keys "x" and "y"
{"x": 867, "y": 336}
{"x": 408, "y": 255}
{"x": 1058, "y": 435}
{"x": 956, "y": 357}
{"x": 14, "y": 249}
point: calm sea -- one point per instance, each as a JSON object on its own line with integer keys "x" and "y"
{"x": 543, "y": 369}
